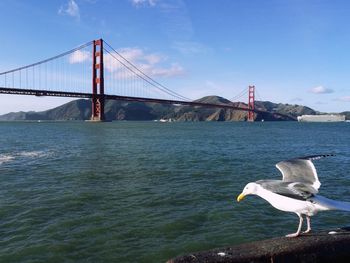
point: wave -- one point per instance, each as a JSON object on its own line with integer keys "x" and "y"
{"x": 32, "y": 154}
{"x": 5, "y": 158}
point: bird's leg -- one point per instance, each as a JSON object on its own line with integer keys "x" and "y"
{"x": 308, "y": 220}
{"x": 299, "y": 227}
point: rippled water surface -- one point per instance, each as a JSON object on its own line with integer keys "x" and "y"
{"x": 146, "y": 192}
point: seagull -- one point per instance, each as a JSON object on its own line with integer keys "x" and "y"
{"x": 296, "y": 192}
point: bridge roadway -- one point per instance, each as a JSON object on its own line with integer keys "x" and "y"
{"x": 39, "y": 93}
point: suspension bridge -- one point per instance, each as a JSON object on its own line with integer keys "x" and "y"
{"x": 97, "y": 71}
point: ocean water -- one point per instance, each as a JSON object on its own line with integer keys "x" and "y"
{"x": 147, "y": 191}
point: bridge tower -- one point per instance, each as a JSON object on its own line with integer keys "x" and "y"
{"x": 251, "y": 99}
{"x": 98, "y": 100}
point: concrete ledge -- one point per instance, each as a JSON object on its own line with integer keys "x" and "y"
{"x": 313, "y": 247}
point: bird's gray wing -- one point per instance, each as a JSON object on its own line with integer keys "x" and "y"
{"x": 294, "y": 190}
{"x": 301, "y": 170}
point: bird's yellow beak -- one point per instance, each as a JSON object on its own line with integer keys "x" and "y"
{"x": 240, "y": 197}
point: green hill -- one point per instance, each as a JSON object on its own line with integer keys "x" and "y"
{"x": 121, "y": 110}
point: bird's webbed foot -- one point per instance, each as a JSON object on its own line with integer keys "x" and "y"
{"x": 296, "y": 234}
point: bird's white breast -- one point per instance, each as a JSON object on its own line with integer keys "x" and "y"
{"x": 287, "y": 204}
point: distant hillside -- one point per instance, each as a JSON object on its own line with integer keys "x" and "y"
{"x": 187, "y": 113}
{"x": 198, "y": 113}
{"x": 74, "y": 110}
{"x": 121, "y": 110}
{"x": 288, "y": 109}
{"x": 81, "y": 110}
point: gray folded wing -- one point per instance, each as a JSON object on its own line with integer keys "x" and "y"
{"x": 293, "y": 190}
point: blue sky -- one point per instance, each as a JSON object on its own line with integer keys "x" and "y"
{"x": 293, "y": 51}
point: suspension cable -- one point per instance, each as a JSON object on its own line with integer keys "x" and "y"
{"x": 258, "y": 95}
{"x": 145, "y": 77}
{"x": 49, "y": 59}
{"x": 240, "y": 94}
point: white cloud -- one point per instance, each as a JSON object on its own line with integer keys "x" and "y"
{"x": 345, "y": 98}
{"x": 153, "y": 65}
{"x": 132, "y": 54}
{"x": 189, "y": 47}
{"x": 79, "y": 56}
{"x": 70, "y": 9}
{"x": 296, "y": 99}
{"x": 153, "y": 59}
{"x": 139, "y": 3}
{"x": 172, "y": 71}
{"x": 176, "y": 21}
{"x": 321, "y": 90}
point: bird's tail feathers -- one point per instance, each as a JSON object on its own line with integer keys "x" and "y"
{"x": 329, "y": 204}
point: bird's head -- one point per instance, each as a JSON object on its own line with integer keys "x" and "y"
{"x": 249, "y": 189}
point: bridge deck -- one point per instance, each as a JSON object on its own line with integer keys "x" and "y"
{"x": 39, "y": 93}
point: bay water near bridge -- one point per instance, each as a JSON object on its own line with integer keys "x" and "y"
{"x": 149, "y": 191}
